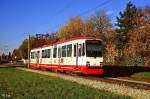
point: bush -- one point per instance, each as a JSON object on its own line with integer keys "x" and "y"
{"x": 133, "y": 60}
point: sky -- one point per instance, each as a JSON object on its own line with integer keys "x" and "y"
{"x": 20, "y": 18}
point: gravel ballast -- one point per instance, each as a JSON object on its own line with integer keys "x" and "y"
{"x": 114, "y": 88}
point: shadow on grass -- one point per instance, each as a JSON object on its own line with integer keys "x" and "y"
{"x": 10, "y": 65}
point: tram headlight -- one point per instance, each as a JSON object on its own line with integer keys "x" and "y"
{"x": 87, "y": 63}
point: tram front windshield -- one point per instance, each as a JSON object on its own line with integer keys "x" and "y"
{"x": 93, "y": 48}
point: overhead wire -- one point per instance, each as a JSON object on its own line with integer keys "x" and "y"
{"x": 98, "y": 6}
{"x": 62, "y": 9}
{"x": 83, "y": 13}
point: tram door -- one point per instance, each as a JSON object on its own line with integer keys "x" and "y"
{"x": 79, "y": 53}
{"x": 75, "y": 54}
{"x": 59, "y": 56}
{"x": 37, "y": 58}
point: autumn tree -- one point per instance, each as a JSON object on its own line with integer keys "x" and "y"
{"x": 88, "y": 29}
{"x": 138, "y": 49}
{"x": 16, "y": 55}
{"x": 43, "y": 39}
{"x": 24, "y": 47}
{"x": 36, "y": 41}
{"x": 111, "y": 51}
{"x": 101, "y": 22}
{"x": 73, "y": 28}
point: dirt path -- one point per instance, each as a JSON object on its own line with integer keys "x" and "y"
{"x": 114, "y": 88}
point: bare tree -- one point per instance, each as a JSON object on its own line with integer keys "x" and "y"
{"x": 101, "y": 22}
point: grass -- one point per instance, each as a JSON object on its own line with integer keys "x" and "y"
{"x": 142, "y": 75}
{"x": 26, "y": 85}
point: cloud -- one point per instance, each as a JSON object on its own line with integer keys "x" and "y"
{"x": 109, "y": 12}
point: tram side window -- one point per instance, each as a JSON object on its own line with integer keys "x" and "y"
{"x": 43, "y": 53}
{"x": 48, "y": 53}
{"x": 69, "y": 50}
{"x": 32, "y": 55}
{"x": 55, "y": 52}
{"x": 75, "y": 50}
{"x": 63, "y": 51}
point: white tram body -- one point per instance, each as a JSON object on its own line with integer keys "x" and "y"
{"x": 80, "y": 55}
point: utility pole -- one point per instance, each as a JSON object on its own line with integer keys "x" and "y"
{"x": 29, "y": 51}
{"x": 1, "y": 51}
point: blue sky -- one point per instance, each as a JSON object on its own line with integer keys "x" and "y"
{"x": 19, "y": 18}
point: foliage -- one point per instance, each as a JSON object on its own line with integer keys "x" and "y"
{"x": 88, "y": 29}
{"x": 139, "y": 39}
{"x": 44, "y": 39}
{"x": 110, "y": 47}
{"x": 4, "y": 56}
{"x": 36, "y": 41}
{"x": 73, "y": 28}
{"x": 24, "y": 47}
{"x": 133, "y": 36}
{"x": 27, "y": 85}
{"x": 9, "y": 56}
{"x": 125, "y": 23}
{"x": 101, "y": 23}
{"x": 133, "y": 60}
{"x": 95, "y": 26}
{"x": 16, "y": 55}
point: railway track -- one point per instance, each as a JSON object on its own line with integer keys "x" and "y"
{"x": 122, "y": 81}
{"x": 131, "y": 81}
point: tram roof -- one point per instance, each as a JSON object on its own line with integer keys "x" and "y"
{"x": 64, "y": 41}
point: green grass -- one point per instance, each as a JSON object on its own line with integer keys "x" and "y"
{"x": 26, "y": 85}
{"x": 142, "y": 75}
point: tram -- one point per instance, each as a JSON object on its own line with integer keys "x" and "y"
{"x": 79, "y": 55}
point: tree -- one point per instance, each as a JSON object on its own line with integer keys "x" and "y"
{"x": 95, "y": 26}
{"x": 101, "y": 22}
{"x": 111, "y": 51}
{"x": 3, "y": 56}
{"x": 146, "y": 13}
{"x": 24, "y": 47}
{"x": 16, "y": 55}
{"x": 36, "y": 41}
{"x": 72, "y": 29}
{"x": 139, "y": 39}
{"x": 9, "y": 56}
{"x": 125, "y": 23}
{"x": 43, "y": 39}
{"x": 88, "y": 29}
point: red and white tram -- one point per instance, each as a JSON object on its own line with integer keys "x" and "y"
{"x": 80, "y": 55}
